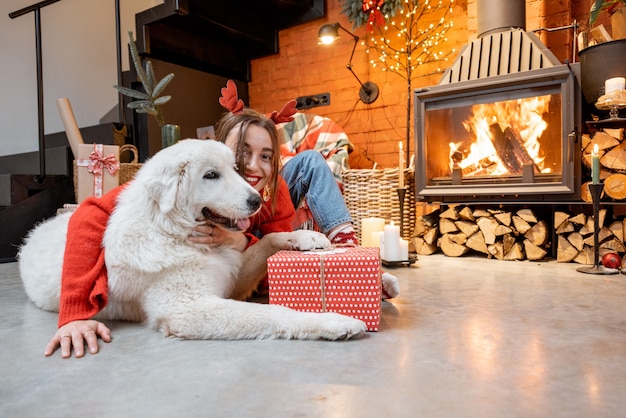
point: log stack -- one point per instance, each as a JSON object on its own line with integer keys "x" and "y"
{"x": 575, "y": 237}
{"x": 612, "y": 152}
{"x": 496, "y": 233}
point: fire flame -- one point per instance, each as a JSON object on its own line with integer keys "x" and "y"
{"x": 520, "y": 118}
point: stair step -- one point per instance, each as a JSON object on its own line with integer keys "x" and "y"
{"x": 18, "y": 219}
{"x": 14, "y": 188}
{"x": 58, "y": 162}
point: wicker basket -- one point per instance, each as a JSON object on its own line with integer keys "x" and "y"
{"x": 127, "y": 170}
{"x": 373, "y": 194}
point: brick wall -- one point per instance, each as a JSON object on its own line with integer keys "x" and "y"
{"x": 303, "y": 67}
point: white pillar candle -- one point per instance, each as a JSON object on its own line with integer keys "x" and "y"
{"x": 614, "y": 84}
{"x": 404, "y": 249}
{"x": 381, "y": 243}
{"x": 391, "y": 242}
{"x": 369, "y": 226}
{"x": 377, "y": 238}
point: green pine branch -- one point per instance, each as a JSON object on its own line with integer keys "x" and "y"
{"x": 148, "y": 101}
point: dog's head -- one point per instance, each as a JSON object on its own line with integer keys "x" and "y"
{"x": 196, "y": 179}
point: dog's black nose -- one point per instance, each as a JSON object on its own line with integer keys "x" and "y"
{"x": 254, "y": 201}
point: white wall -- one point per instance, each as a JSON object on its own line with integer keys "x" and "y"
{"x": 79, "y": 62}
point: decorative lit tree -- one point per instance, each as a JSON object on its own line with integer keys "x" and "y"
{"x": 404, "y": 35}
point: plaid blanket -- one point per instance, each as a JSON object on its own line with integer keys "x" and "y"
{"x": 319, "y": 133}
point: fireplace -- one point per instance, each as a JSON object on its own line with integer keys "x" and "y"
{"x": 502, "y": 125}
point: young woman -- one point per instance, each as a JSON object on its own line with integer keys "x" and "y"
{"x": 254, "y": 140}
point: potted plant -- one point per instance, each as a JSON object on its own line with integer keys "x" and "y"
{"x": 148, "y": 101}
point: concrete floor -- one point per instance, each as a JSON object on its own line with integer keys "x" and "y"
{"x": 469, "y": 337}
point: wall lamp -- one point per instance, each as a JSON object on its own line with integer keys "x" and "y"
{"x": 328, "y": 34}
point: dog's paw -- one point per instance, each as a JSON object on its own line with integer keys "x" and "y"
{"x": 304, "y": 240}
{"x": 341, "y": 327}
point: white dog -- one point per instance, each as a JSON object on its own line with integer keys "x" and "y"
{"x": 156, "y": 276}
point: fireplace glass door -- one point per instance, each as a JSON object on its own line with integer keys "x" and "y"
{"x": 500, "y": 137}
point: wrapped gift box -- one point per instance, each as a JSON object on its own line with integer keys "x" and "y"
{"x": 97, "y": 169}
{"x": 343, "y": 280}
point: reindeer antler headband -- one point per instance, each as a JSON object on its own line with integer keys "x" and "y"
{"x": 231, "y": 102}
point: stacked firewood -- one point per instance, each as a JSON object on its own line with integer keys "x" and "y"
{"x": 497, "y": 233}
{"x": 612, "y": 152}
{"x": 575, "y": 236}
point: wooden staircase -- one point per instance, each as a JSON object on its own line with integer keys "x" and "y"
{"x": 219, "y": 41}
{"x": 24, "y": 200}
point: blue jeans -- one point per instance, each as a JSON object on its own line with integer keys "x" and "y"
{"x": 308, "y": 176}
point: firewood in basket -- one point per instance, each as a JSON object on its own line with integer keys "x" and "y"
{"x": 510, "y": 149}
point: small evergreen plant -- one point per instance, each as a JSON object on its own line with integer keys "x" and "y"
{"x": 148, "y": 101}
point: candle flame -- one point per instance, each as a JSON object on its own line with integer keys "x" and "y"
{"x": 400, "y": 145}
{"x": 595, "y": 149}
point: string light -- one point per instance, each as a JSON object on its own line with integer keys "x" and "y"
{"x": 402, "y": 46}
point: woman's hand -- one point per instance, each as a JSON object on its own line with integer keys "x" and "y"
{"x": 213, "y": 237}
{"x": 76, "y": 334}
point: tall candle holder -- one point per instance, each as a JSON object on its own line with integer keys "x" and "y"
{"x": 401, "y": 194}
{"x": 597, "y": 268}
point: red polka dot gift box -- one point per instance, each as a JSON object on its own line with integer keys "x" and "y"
{"x": 345, "y": 280}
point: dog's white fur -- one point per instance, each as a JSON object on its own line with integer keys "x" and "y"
{"x": 156, "y": 276}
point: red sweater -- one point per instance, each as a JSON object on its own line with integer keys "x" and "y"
{"x": 84, "y": 282}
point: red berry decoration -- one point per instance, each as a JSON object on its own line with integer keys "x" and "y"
{"x": 611, "y": 260}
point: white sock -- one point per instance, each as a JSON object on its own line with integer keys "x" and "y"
{"x": 391, "y": 287}
{"x": 345, "y": 228}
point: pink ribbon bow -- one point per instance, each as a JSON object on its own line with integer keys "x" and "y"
{"x": 96, "y": 163}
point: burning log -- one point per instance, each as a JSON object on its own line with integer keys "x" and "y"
{"x": 510, "y": 149}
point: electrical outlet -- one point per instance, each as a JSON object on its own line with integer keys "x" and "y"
{"x": 307, "y": 102}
